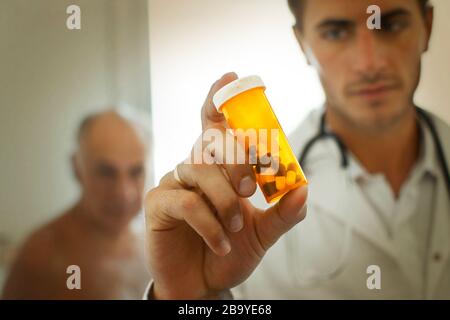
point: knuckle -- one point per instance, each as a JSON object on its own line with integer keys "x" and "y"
{"x": 194, "y": 169}
{"x": 165, "y": 178}
{"x": 189, "y": 201}
{"x": 154, "y": 207}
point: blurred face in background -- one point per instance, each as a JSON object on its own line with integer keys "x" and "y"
{"x": 369, "y": 76}
{"x": 110, "y": 167}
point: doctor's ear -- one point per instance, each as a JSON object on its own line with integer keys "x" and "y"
{"x": 299, "y": 37}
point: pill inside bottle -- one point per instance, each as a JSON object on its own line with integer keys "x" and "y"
{"x": 249, "y": 114}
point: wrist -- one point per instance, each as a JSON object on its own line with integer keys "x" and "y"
{"x": 156, "y": 293}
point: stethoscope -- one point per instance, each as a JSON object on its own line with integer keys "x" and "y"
{"x": 314, "y": 278}
{"x": 323, "y": 134}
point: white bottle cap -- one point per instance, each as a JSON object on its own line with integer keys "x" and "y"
{"x": 236, "y": 87}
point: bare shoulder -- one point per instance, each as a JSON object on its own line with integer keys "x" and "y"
{"x": 35, "y": 265}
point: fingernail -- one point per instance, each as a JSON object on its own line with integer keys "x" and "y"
{"x": 225, "y": 246}
{"x": 246, "y": 186}
{"x": 236, "y": 223}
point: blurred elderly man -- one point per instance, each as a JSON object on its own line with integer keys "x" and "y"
{"x": 96, "y": 235}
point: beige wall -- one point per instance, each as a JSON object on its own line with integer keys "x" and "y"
{"x": 50, "y": 78}
{"x": 195, "y": 41}
{"x": 434, "y": 89}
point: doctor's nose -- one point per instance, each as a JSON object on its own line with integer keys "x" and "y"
{"x": 368, "y": 56}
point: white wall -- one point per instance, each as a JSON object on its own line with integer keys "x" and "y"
{"x": 194, "y": 42}
{"x": 50, "y": 78}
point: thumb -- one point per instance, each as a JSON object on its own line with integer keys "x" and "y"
{"x": 281, "y": 217}
{"x": 210, "y": 115}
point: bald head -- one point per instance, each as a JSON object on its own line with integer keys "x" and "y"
{"x": 110, "y": 121}
{"x": 110, "y": 166}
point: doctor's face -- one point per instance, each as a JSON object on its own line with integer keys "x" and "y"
{"x": 369, "y": 76}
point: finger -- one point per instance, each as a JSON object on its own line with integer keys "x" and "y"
{"x": 233, "y": 158}
{"x": 168, "y": 181}
{"x": 215, "y": 186}
{"x": 281, "y": 217}
{"x": 209, "y": 111}
{"x": 190, "y": 207}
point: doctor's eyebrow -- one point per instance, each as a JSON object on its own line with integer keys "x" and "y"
{"x": 396, "y": 13}
{"x": 335, "y": 23}
{"x": 347, "y": 24}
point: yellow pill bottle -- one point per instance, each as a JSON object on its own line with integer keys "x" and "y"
{"x": 249, "y": 114}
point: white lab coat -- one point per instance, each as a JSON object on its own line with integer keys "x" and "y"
{"x": 294, "y": 267}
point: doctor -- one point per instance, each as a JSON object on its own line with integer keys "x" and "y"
{"x": 378, "y": 224}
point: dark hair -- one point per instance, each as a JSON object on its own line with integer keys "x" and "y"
{"x": 296, "y": 7}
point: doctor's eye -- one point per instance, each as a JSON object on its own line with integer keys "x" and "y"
{"x": 335, "y": 33}
{"x": 393, "y": 26}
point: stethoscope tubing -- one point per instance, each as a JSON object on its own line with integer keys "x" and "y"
{"x": 315, "y": 278}
{"x": 323, "y": 134}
